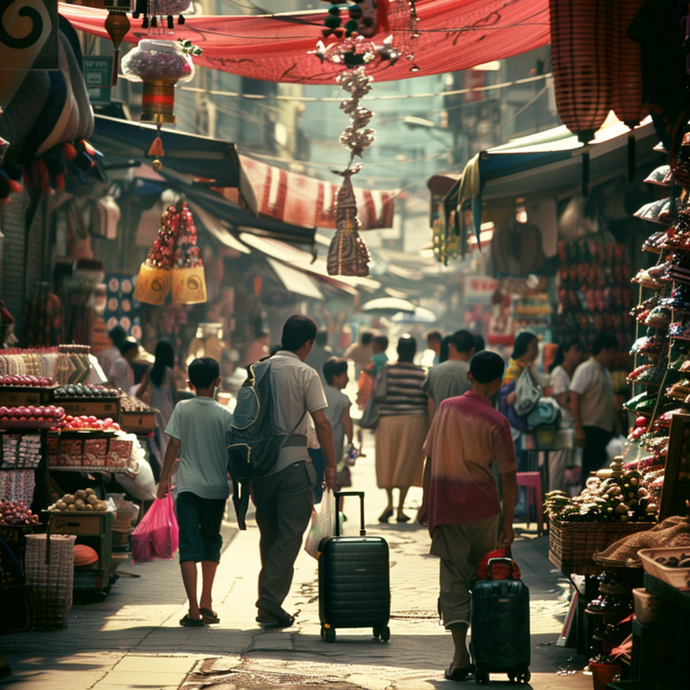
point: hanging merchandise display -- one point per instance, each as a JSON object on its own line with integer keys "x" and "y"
{"x": 160, "y": 14}
{"x": 159, "y": 64}
{"x": 581, "y": 38}
{"x": 173, "y": 261}
{"x": 347, "y": 253}
{"x": 117, "y": 25}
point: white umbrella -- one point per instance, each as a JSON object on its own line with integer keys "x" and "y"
{"x": 419, "y": 315}
{"x": 389, "y": 304}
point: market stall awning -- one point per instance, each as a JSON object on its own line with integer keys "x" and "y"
{"x": 218, "y": 229}
{"x": 547, "y": 164}
{"x": 305, "y": 262}
{"x": 295, "y": 281}
{"x": 452, "y": 35}
{"x": 302, "y": 200}
{"x": 214, "y": 160}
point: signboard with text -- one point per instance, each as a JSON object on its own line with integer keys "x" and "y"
{"x": 478, "y": 289}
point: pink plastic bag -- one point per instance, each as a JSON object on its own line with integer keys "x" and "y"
{"x": 157, "y": 535}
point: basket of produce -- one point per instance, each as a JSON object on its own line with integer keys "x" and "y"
{"x": 613, "y": 505}
{"x": 671, "y": 566}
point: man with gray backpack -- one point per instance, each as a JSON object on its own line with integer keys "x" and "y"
{"x": 268, "y": 448}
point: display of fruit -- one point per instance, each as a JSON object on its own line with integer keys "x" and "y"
{"x": 620, "y": 497}
{"x": 83, "y": 500}
{"x": 24, "y": 380}
{"x": 89, "y": 423}
{"x": 130, "y": 404}
{"x": 31, "y": 413}
{"x": 16, "y": 513}
{"x": 79, "y": 390}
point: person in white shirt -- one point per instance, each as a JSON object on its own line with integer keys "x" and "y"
{"x": 591, "y": 403}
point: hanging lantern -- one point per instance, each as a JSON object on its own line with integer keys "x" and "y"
{"x": 188, "y": 279}
{"x": 117, "y": 25}
{"x": 347, "y": 253}
{"x": 581, "y": 39}
{"x": 627, "y": 95}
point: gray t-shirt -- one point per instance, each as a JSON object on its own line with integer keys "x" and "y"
{"x": 298, "y": 390}
{"x": 337, "y": 404}
{"x": 447, "y": 380}
{"x": 201, "y": 425}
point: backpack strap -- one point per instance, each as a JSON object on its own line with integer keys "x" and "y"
{"x": 240, "y": 492}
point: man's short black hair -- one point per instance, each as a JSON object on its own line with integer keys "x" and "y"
{"x": 202, "y": 372}
{"x": 381, "y": 341}
{"x": 487, "y": 366}
{"x": 117, "y": 334}
{"x": 479, "y": 343}
{"x": 407, "y": 348}
{"x": 366, "y": 337}
{"x": 298, "y": 329}
{"x": 127, "y": 345}
{"x": 604, "y": 341}
{"x": 463, "y": 341}
{"x": 334, "y": 366}
{"x": 434, "y": 335}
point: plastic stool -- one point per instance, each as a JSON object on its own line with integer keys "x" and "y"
{"x": 532, "y": 480}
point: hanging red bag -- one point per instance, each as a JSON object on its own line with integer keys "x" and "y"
{"x": 157, "y": 535}
{"x": 501, "y": 570}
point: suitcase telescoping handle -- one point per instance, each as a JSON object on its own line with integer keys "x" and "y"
{"x": 507, "y": 561}
{"x": 339, "y": 494}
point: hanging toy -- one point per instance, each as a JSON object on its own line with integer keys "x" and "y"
{"x": 117, "y": 25}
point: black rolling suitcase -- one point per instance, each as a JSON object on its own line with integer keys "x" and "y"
{"x": 500, "y": 627}
{"x": 354, "y": 581}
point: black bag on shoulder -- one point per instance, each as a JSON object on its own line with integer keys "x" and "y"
{"x": 254, "y": 445}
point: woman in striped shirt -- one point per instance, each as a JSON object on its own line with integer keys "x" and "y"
{"x": 402, "y": 428}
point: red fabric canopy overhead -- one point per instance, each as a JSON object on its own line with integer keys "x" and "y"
{"x": 454, "y": 35}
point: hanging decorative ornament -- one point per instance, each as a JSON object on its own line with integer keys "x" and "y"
{"x": 173, "y": 262}
{"x": 627, "y": 97}
{"x": 159, "y": 65}
{"x": 159, "y": 15}
{"x": 353, "y": 49}
{"x": 117, "y": 25}
{"x": 581, "y": 39}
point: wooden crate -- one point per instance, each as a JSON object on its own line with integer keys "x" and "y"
{"x": 573, "y": 544}
{"x": 101, "y": 408}
{"x": 141, "y": 423}
{"x": 17, "y": 396}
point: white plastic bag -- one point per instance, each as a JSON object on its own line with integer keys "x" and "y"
{"x": 322, "y": 523}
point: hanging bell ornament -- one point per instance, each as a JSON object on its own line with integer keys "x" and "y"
{"x": 117, "y": 25}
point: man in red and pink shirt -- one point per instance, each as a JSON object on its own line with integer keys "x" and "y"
{"x": 461, "y": 505}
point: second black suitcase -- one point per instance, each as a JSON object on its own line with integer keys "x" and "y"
{"x": 500, "y": 627}
{"x": 354, "y": 581}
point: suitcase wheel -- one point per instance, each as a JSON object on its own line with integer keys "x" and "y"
{"x": 327, "y": 634}
{"x": 384, "y": 632}
{"x": 481, "y": 676}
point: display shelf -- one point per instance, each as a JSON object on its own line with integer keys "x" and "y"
{"x": 15, "y": 396}
{"x": 27, "y": 426}
{"x": 87, "y": 468}
{"x": 101, "y": 408}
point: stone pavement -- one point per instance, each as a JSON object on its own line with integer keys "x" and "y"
{"x": 133, "y": 639}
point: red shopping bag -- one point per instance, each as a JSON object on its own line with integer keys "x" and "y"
{"x": 157, "y": 535}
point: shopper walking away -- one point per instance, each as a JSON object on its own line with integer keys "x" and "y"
{"x": 158, "y": 390}
{"x": 284, "y": 497}
{"x": 117, "y": 336}
{"x": 361, "y": 352}
{"x": 197, "y": 429}
{"x": 568, "y": 356}
{"x": 121, "y": 373}
{"x": 461, "y": 506}
{"x": 365, "y": 382}
{"x": 449, "y": 379}
{"x": 338, "y": 413}
{"x": 592, "y": 405}
{"x": 434, "y": 339}
{"x": 402, "y": 428}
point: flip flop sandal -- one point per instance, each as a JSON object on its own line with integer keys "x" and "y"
{"x": 459, "y": 674}
{"x": 209, "y": 617}
{"x": 271, "y": 623}
{"x": 188, "y": 622}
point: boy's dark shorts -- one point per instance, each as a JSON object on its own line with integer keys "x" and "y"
{"x": 199, "y": 520}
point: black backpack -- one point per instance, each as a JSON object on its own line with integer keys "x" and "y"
{"x": 254, "y": 445}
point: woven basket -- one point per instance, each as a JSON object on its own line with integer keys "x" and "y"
{"x": 573, "y": 544}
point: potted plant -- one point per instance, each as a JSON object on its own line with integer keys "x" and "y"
{"x": 605, "y": 669}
